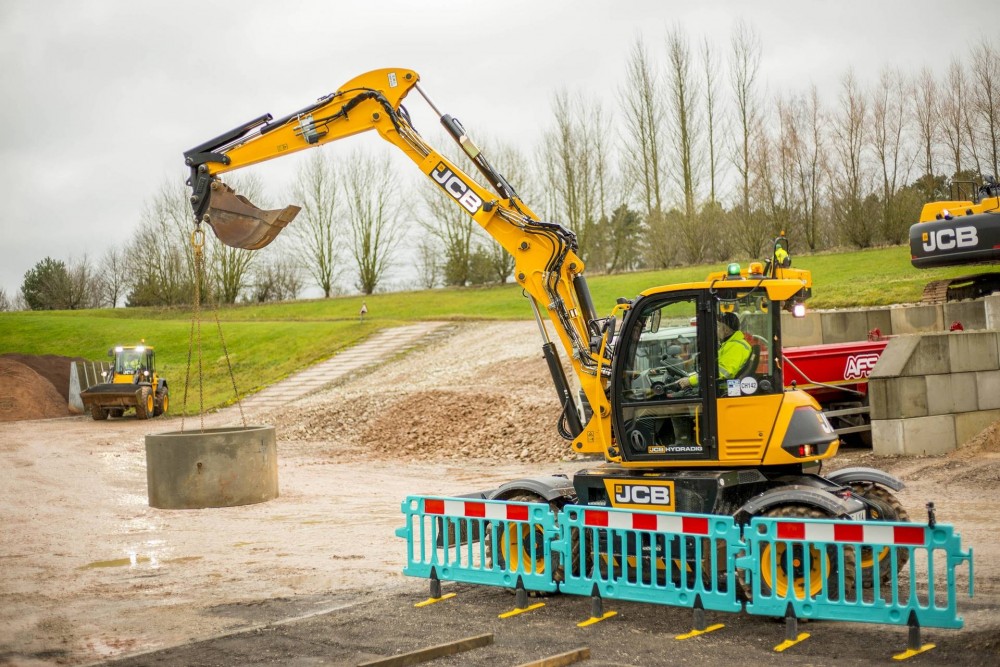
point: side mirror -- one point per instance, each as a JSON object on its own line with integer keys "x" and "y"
{"x": 111, "y": 351}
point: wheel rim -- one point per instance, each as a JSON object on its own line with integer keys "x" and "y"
{"x": 149, "y": 404}
{"x": 516, "y": 548}
{"x": 166, "y": 402}
{"x": 777, "y": 556}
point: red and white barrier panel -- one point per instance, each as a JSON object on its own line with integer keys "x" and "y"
{"x": 846, "y": 531}
{"x": 476, "y": 510}
{"x": 661, "y": 523}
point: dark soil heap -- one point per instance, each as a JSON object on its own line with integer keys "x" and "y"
{"x": 25, "y": 394}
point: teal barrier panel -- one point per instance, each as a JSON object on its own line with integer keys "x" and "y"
{"x": 660, "y": 557}
{"x": 480, "y": 541}
{"x": 844, "y": 570}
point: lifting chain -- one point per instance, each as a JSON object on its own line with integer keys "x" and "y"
{"x": 198, "y": 251}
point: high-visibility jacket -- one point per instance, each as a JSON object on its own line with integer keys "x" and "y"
{"x": 734, "y": 352}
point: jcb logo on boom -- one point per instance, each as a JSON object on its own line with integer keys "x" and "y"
{"x": 656, "y": 496}
{"x": 949, "y": 239}
{"x": 454, "y": 186}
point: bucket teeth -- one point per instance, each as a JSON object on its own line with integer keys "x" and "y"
{"x": 240, "y": 224}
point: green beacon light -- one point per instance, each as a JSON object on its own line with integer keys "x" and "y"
{"x": 733, "y": 270}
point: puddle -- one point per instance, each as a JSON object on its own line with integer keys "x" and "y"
{"x": 118, "y": 562}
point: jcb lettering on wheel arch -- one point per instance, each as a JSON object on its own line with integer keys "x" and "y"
{"x": 457, "y": 188}
{"x": 645, "y": 495}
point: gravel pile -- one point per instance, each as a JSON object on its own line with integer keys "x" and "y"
{"x": 483, "y": 392}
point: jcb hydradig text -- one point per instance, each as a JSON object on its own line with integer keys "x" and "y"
{"x": 680, "y": 387}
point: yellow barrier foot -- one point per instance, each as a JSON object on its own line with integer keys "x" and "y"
{"x": 698, "y": 633}
{"x": 910, "y": 652}
{"x": 521, "y": 610}
{"x": 699, "y": 622}
{"x": 792, "y": 634}
{"x": 596, "y": 609}
{"x": 913, "y": 644}
{"x": 596, "y": 619}
{"x": 433, "y": 600}
{"x": 789, "y": 643}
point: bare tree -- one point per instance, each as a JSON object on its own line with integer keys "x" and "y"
{"x": 275, "y": 278}
{"x": 114, "y": 276}
{"x": 83, "y": 289}
{"x": 887, "y": 135}
{"x": 925, "y": 106}
{"x": 428, "y": 263}
{"x": 644, "y": 112}
{"x": 773, "y": 170}
{"x": 849, "y": 174}
{"x": 808, "y": 145}
{"x": 573, "y": 154}
{"x": 5, "y": 302}
{"x": 745, "y": 58}
{"x": 317, "y": 226}
{"x": 372, "y": 209}
{"x": 986, "y": 79}
{"x": 160, "y": 256}
{"x": 951, "y": 113}
{"x": 685, "y": 135}
{"x": 453, "y": 230}
{"x": 713, "y": 130}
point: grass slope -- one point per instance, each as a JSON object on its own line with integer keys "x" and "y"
{"x": 269, "y": 342}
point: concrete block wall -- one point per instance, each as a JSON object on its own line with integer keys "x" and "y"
{"x": 83, "y": 375}
{"x": 929, "y": 393}
{"x": 844, "y": 326}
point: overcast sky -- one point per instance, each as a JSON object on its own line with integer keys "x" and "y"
{"x": 101, "y": 98}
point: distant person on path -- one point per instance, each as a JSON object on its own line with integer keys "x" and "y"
{"x": 364, "y": 310}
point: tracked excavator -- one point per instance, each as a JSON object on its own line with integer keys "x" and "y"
{"x": 962, "y": 231}
{"x": 676, "y": 430}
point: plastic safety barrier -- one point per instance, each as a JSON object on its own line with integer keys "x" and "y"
{"x": 480, "y": 541}
{"x": 658, "y": 557}
{"x": 868, "y": 571}
{"x": 843, "y": 570}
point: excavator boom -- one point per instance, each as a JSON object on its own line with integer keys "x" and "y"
{"x": 547, "y": 266}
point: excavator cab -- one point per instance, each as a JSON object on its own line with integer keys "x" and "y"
{"x": 678, "y": 385}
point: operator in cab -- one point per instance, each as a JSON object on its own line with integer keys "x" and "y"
{"x": 734, "y": 350}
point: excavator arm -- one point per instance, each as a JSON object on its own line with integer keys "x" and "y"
{"x": 547, "y": 266}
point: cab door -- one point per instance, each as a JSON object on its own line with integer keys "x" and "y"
{"x": 664, "y": 338}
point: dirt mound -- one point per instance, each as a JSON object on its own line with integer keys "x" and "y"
{"x": 986, "y": 441}
{"x": 24, "y": 394}
{"x": 52, "y": 367}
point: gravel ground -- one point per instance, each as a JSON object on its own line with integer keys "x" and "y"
{"x": 90, "y": 573}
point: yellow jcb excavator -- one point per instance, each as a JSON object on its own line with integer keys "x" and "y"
{"x": 132, "y": 382}
{"x": 676, "y": 430}
{"x": 962, "y": 231}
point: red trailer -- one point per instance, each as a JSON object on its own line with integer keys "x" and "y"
{"x": 836, "y": 375}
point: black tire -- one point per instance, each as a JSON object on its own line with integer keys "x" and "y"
{"x": 890, "y": 509}
{"x": 162, "y": 403}
{"x": 98, "y": 413}
{"x": 509, "y": 551}
{"x": 800, "y": 579}
{"x": 144, "y": 410}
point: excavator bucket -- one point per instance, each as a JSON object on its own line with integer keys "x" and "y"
{"x": 240, "y": 224}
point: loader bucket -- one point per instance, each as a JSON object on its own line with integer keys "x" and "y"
{"x": 240, "y": 224}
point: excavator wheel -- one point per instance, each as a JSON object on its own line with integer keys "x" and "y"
{"x": 890, "y": 509}
{"x": 98, "y": 413}
{"x": 514, "y": 551}
{"x": 785, "y": 573}
{"x": 144, "y": 410}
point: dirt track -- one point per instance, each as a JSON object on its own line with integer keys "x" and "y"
{"x": 89, "y": 572}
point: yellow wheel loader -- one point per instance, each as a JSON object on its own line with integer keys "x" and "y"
{"x": 689, "y": 415}
{"x": 132, "y": 383}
